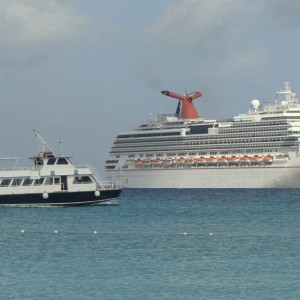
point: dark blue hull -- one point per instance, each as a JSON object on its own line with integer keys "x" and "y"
{"x": 59, "y": 198}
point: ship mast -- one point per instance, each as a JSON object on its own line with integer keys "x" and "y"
{"x": 289, "y": 95}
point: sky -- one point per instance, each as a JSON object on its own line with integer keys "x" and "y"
{"x": 80, "y": 71}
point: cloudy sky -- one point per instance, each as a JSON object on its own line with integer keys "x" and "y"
{"x": 80, "y": 71}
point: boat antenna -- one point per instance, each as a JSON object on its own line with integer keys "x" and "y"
{"x": 42, "y": 141}
{"x": 61, "y": 148}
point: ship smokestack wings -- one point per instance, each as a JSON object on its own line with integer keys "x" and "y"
{"x": 188, "y": 110}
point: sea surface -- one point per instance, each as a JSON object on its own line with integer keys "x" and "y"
{"x": 156, "y": 244}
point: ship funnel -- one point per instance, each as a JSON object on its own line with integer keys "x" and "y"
{"x": 188, "y": 110}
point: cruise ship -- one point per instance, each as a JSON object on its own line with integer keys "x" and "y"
{"x": 258, "y": 149}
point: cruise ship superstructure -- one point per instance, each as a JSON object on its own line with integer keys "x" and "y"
{"x": 259, "y": 149}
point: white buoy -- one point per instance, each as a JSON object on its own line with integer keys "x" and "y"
{"x": 185, "y": 233}
{"x": 210, "y": 233}
{"x": 97, "y": 193}
{"x": 22, "y": 231}
{"x": 95, "y": 232}
{"x": 45, "y": 195}
{"x": 55, "y": 231}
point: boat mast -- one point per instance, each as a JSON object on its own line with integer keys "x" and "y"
{"x": 42, "y": 141}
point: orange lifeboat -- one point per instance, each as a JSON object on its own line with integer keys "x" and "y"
{"x": 168, "y": 161}
{"x": 222, "y": 159}
{"x": 255, "y": 158}
{"x": 268, "y": 158}
{"x": 200, "y": 159}
{"x": 245, "y": 159}
{"x": 147, "y": 162}
{"x": 232, "y": 159}
{"x": 157, "y": 161}
{"x": 190, "y": 161}
{"x": 138, "y": 162}
{"x": 211, "y": 159}
{"x": 180, "y": 160}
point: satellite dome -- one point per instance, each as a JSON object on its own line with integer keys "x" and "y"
{"x": 255, "y": 103}
{"x": 284, "y": 103}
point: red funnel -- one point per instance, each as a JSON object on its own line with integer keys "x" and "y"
{"x": 188, "y": 110}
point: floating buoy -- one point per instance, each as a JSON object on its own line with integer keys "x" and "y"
{"x": 55, "y": 231}
{"x": 22, "y": 231}
{"x": 95, "y": 232}
{"x": 97, "y": 193}
{"x": 45, "y": 195}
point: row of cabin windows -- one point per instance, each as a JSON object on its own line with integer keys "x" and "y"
{"x": 215, "y": 139}
{"x": 264, "y": 145}
{"x": 138, "y": 147}
{"x": 29, "y": 182}
{"x": 5, "y": 182}
{"x": 231, "y": 131}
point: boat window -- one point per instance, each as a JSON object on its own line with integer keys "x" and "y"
{"x": 62, "y": 161}
{"x": 17, "y": 182}
{"x": 51, "y": 161}
{"x": 49, "y": 181}
{"x": 5, "y": 182}
{"x": 27, "y": 181}
{"x": 56, "y": 180}
{"x": 82, "y": 179}
{"x": 38, "y": 162}
{"x": 39, "y": 181}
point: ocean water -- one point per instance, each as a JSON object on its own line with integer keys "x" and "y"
{"x": 156, "y": 244}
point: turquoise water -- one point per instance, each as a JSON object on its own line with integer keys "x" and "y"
{"x": 156, "y": 244}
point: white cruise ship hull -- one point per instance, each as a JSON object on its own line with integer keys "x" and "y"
{"x": 252, "y": 177}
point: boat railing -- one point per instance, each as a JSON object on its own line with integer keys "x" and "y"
{"x": 86, "y": 166}
{"x": 10, "y": 161}
{"x": 13, "y": 169}
{"x": 111, "y": 185}
{"x": 100, "y": 182}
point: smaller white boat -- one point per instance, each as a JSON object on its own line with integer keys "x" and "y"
{"x": 53, "y": 180}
